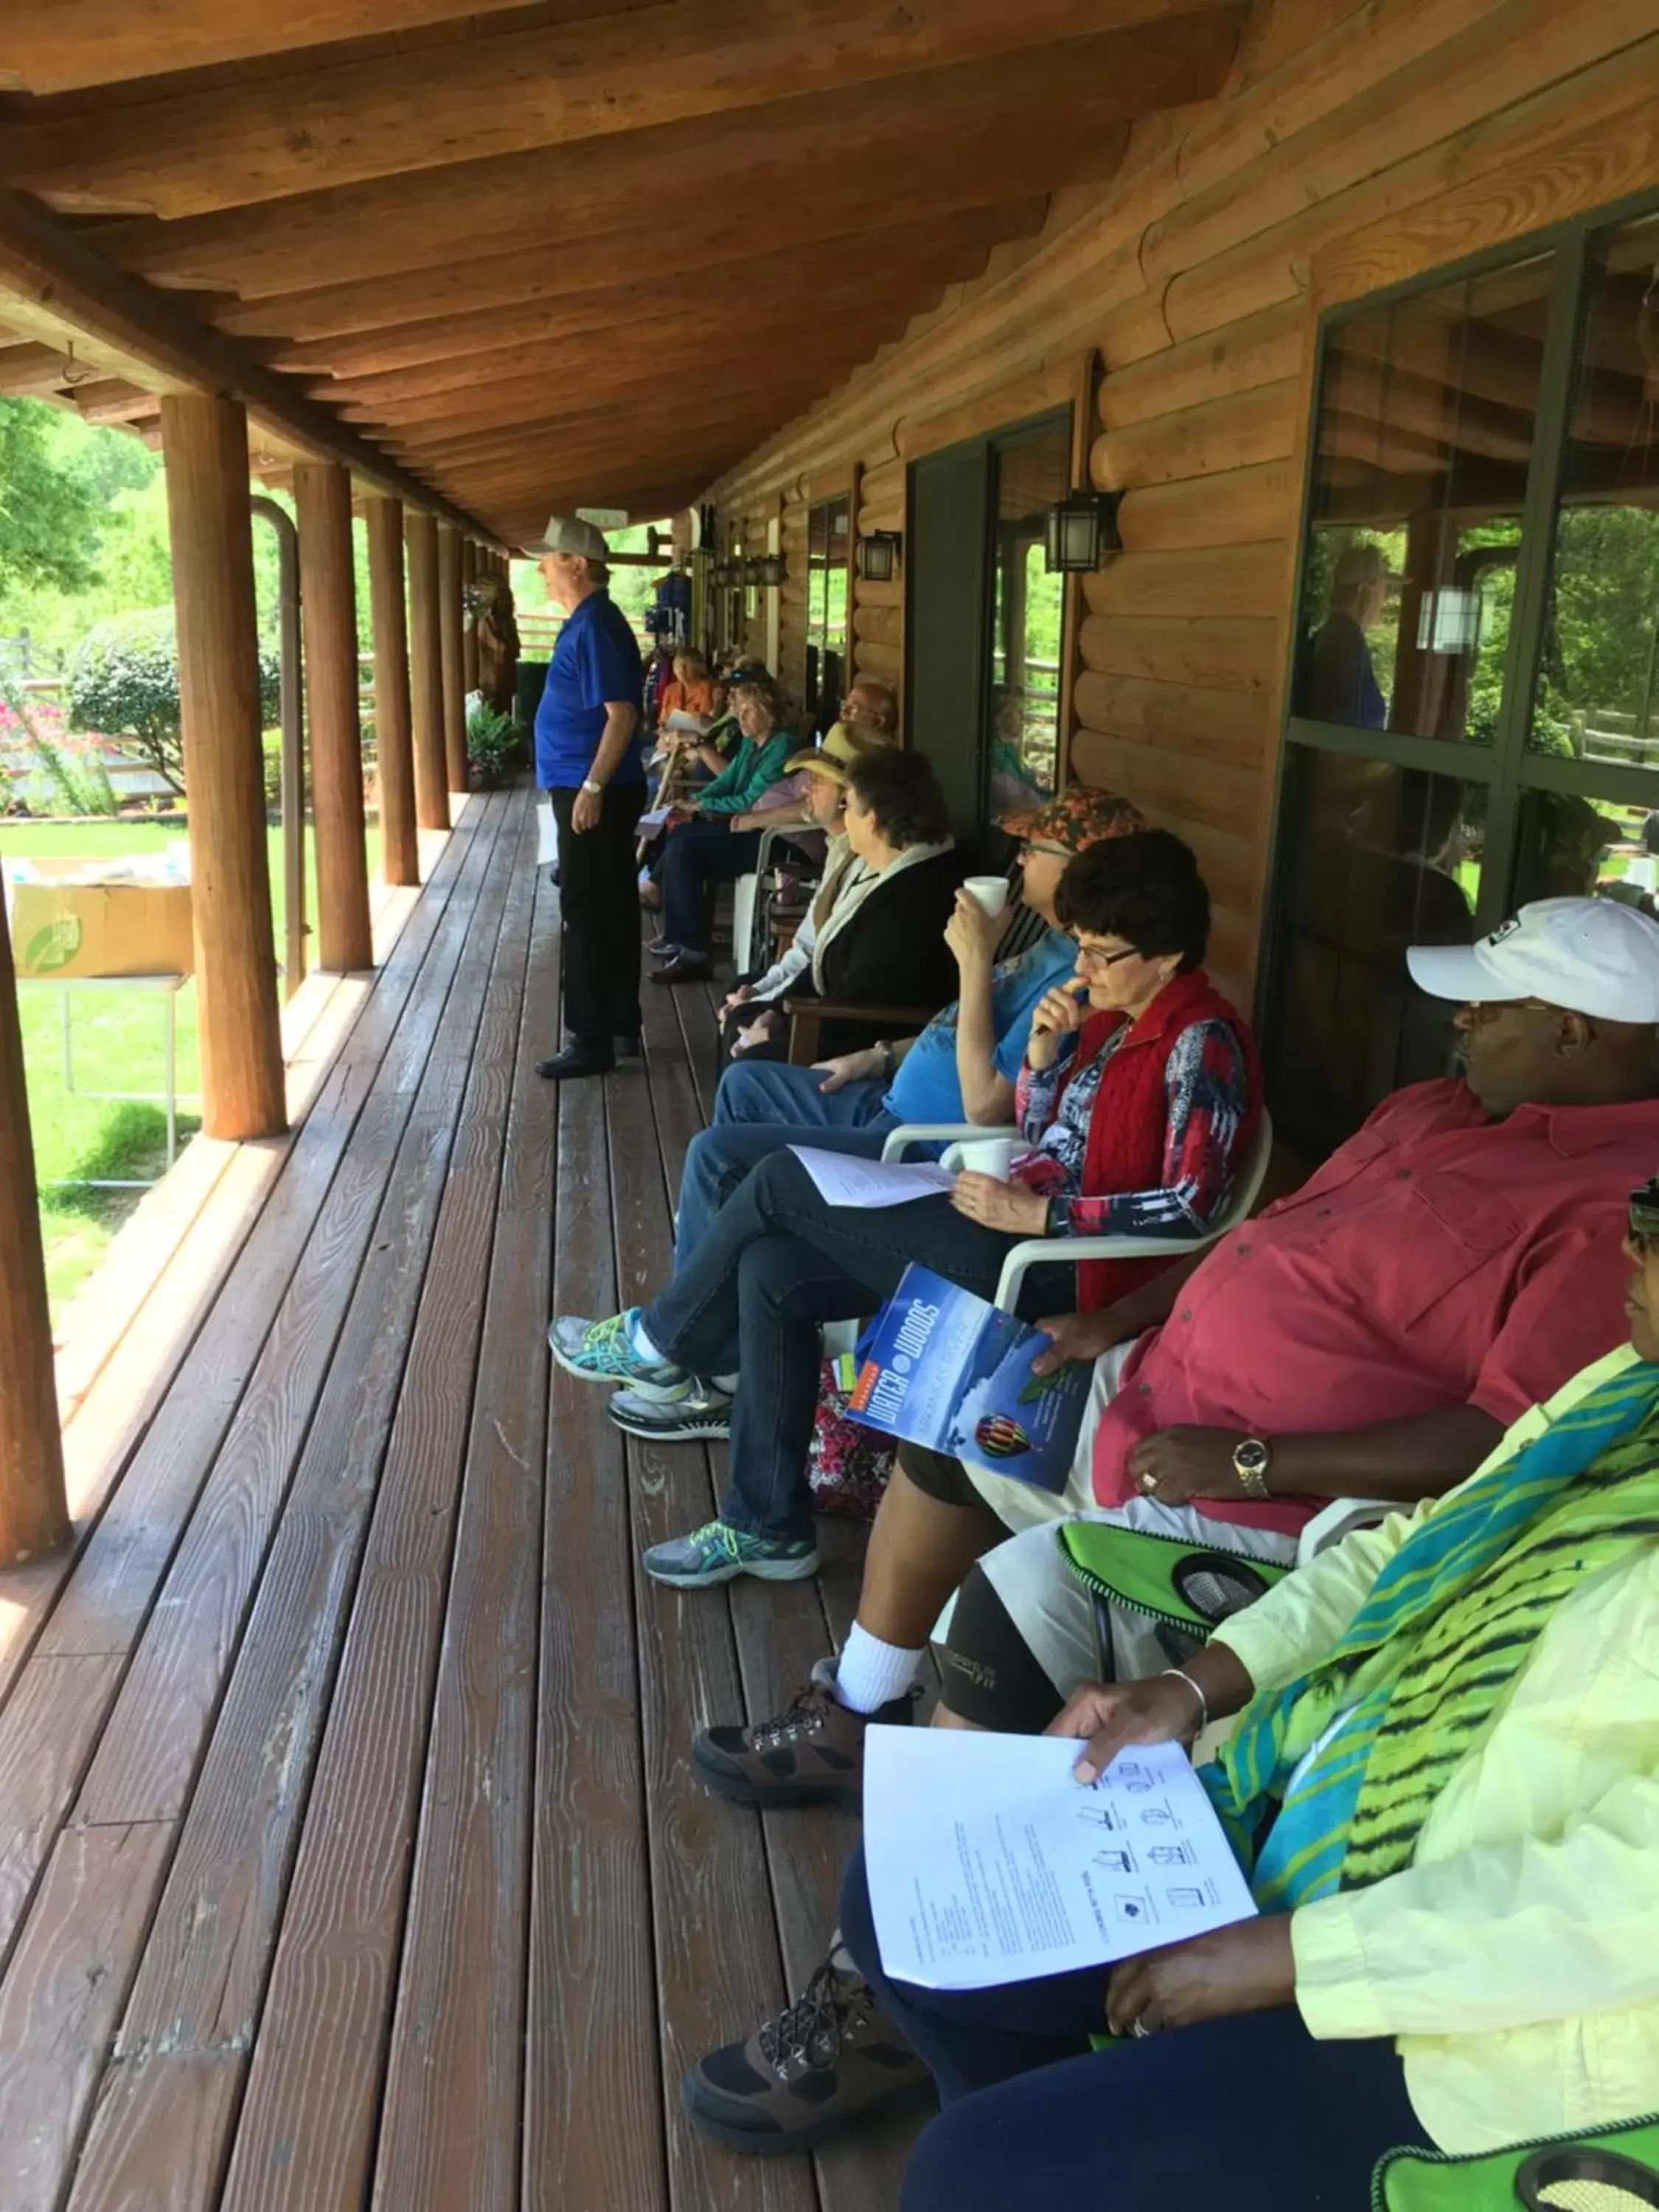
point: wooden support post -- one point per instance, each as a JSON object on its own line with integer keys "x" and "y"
{"x": 34, "y": 1515}
{"x": 400, "y": 859}
{"x": 449, "y": 640}
{"x": 472, "y": 568}
{"x": 204, "y": 443}
{"x": 426, "y": 682}
{"x": 322, "y": 501}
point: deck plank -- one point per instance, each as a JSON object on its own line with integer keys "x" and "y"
{"x": 193, "y": 2016}
{"x": 594, "y": 2137}
{"x": 307, "y": 2131}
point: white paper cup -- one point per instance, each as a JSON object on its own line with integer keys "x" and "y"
{"x": 991, "y": 1156}
{"x": 988, "y": 893}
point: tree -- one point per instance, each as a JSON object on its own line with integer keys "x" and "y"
{"x": 49, "y": 514}
{"x": 123, "y": 679}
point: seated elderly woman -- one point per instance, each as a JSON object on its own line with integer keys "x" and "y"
{"x": 1137, "y": 1100}
{"x": 706, "y": 845}
{"x": 1444, "y": 1781}
{"x": 869, "y": 938}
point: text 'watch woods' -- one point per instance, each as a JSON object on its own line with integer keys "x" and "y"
{"x": 1250, "y": 1461}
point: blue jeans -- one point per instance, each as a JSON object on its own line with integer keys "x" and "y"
{"x": 776, "y": 1263}
{"x": 1251, "y": 2112}
{"x": 697, "y": 855}
{"x": 760, "y": 1106}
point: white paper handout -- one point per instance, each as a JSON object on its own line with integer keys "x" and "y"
{"x": 842, "y": 1180}
{"x": 988, "y": 1864}
{"x": 697, "y": 725}
{"x": 652, "y": 820}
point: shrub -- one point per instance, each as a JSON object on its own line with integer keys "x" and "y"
{"x": 493, "y": 743}
{"x": 123, "y": 678}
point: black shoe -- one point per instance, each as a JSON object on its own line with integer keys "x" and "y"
{"x": 575, "y": 1059}
{"x": 683, "y": 968}
{"x": 630, "y": 1046}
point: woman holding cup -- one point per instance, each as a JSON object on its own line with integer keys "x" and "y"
{"x": 1137, "y": 1103}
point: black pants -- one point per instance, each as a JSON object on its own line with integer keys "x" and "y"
{"x": 598, "y": 900}
{"x": 701, "y": 854}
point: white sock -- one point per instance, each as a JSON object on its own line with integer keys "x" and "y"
{"x": 869, "y": 1672}
{"x": 725, "y": 1384}
{"x": 640, "y": 1342}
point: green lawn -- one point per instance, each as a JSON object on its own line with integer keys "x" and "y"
{"x": 118, "y": 1047}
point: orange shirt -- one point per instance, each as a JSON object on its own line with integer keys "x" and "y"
{"x": 679, "y": 698}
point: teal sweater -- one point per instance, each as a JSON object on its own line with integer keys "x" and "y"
{"x": 753, "y": 769}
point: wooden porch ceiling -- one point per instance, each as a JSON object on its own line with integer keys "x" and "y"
{"x": 591, "y": 250}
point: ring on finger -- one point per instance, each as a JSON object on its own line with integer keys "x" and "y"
{"x": 1140, "y": 2028}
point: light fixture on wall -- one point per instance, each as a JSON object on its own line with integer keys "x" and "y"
{"x": 752, "y": 568}
{"x": 726, "y": 575}
{"x": 879, "y": 555}
{"x": 772, "y": 568}
{"x": 1078, "y": 529}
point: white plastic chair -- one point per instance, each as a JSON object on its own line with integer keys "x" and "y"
{"x": 749, "y": 908}
{"x": 1339, "y": 1519}
{"x": 1040, "y": 1251}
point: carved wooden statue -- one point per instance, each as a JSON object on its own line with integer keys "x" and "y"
{"x": 489, "y": 609}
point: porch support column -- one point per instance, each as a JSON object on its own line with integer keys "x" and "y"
{"x": 426, "y": 686}
{"x": 400, "y": 856}
{"x": 34, "y": 1515}
{"x": 322, "y": 500}
{"x": 471, "y": 568}
{"x": 449, "y": 639}
{"x": 204, "y": 444}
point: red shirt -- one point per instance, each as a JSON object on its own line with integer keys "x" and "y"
{"x": 1440, "y": 1258}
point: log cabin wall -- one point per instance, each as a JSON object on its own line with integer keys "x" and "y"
{"x": 1352, "y": 148}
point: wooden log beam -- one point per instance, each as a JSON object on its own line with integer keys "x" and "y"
{"x": 95, "y": 42}
{"x": 578, "y": 216}
{"x": 55, "y": 286}
{"x": 31, "y": 370}
{"x": 112, "y": 399}
{"x": 205, "y": 443}
{"x": 322, "y": 500}
{"x": 394, "y": 757}
{"x": 496, "y": 299}
{"x": 450, "y": 663}
{"x": 426, "y": 682}
{"x": 33, "y": 1511}
{"x": 513, "y": 92}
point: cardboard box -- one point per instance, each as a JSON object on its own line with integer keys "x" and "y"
{"x": 64, "y": 929}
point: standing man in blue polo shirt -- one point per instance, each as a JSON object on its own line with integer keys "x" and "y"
{"x": 589, "y": 762}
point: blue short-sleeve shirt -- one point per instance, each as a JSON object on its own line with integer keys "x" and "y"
{"x": 925, "y": 1085}
{"x": 597, "y": 660}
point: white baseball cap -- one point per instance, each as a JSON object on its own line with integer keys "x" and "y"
{"x": 580, "y": 540}
{"x": 1591, "y": 956}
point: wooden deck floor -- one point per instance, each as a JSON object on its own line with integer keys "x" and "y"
{"x": 348, "y": 1853}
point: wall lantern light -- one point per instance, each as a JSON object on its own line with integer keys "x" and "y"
{"x": 1449, "y": 620}
{"x": 772, "y": 568}
{"x": 1078, "y": 529}
{"x": 878, "y": 556}
{"x": 752, "y": 572}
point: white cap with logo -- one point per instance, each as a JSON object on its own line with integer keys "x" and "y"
{"x": 571, "y": 535}
{"x": 1590, "y": 956}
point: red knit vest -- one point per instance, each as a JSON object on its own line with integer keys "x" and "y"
{"x": 1130, "y": 1121}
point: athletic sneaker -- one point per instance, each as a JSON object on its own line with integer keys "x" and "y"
{"x": 812, "y": 1753}
{"x": 603, "y": 1351}
{"x": 682, "y": 1415}
{"x": 830, "y": 2060}
{"x": 717, "y": 1554}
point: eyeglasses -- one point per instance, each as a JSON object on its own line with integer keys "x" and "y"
{"x": 1055, "y": 852}
{"x": 1088, "y": 956}
{"x": 1644, "y": 1222}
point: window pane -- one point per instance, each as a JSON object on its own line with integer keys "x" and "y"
{"x": 1598, "y": 689}
{"x": 1028, "y": 604}
{"x": 1376, "y": 858}
{"x": 1566, "y": 847}
{"x": 1425, "y": 433}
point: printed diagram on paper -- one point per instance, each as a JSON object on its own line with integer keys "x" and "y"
{"x": 988, "y": 1864}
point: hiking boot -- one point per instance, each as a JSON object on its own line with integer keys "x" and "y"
{"x": 830, "y": 2060}
{"x": 717, "y": 1553}
{"x": 603, "y": 1351}
{"x": 679, "y": 1416}
{"x": 810, "y": 1755}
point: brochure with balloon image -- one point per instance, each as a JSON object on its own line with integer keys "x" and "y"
{"x": 947, "y": 1370}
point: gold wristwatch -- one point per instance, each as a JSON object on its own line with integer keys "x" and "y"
{"x": 1250, "y": 1463}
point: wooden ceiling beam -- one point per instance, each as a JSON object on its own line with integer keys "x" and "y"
{"x": 56, "y": 287}
{"x": 75, "y": 44}
{"x": 647, "y": 417}
{"x": 513, "y": 91}
{"x": 112, "y": 399}
{"x": 504, "y": 317}
{"x": 1049, "y": 116}
{"x": 590, "y": 441}
{"x": 442, "y": 414}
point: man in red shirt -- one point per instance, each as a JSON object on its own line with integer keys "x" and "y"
{"x": 1370, "y": 1337}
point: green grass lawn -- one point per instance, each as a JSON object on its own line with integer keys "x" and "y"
{"x": 117, "y": 1046}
